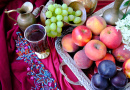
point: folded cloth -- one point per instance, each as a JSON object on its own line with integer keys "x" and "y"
{"x": 102, "y": 3}
{"x": 19, "y": 71}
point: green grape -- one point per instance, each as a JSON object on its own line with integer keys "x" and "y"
{"x": 48, "y": 14}
{"x": 65, "y": 18}
{"x": 77, "y": 20}
{"x": 64, "y": 6}
{"x": 78, "y": 13}
{"x": 51, "y": 7}
{"x": 58, "y": 11}
{"x": 71, "y": 17}
{"x": 48, "y": 22}
{"x": 49, "y": 34}
{"x": 70, "y": 10}
{"x": 55, "y": 5}
{"x": 59, "y": 24}
{"x": 59, "y": 29}
{"x": 53, "y": 26}
{"x": 64, "y": 12}
{"x": 53, "y": 19}
{"x": 59, "y": 17}
{"x": 59, "y": 6}
{"x": 47, "y": 28}
{"x": 58, "y": 34}
{"x": 73, "y": 13}
{"x": 53, "y": 14}
{"x": 53, "y": 34}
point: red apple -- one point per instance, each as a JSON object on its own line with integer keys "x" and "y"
{"x": 107, "y": 57}
{"x": 68, "y": 45}
{"x": 111, "y": 37}
{"x": 126, "y": 68}
{"x": 120, "y": 53}
{"x": 82, "y": 61}
{"x": 81, "y": 35}
{"x": 95, "y": 50}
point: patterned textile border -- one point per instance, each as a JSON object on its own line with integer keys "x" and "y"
{"x": 36, "y": 71}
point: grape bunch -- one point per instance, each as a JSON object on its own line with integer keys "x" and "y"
{"x": 56, "y": 15}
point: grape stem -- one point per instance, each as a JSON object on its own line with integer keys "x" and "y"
{"x": 45, "y": 8}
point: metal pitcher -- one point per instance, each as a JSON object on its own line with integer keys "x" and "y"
{"x": 25, "y": 17}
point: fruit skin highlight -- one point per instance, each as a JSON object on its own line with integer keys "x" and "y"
{"x": 68, "y": 44}
{"x": 111, "y": 37}
{"x": 81, "y": 35}
{"x": 82, "y": 61}
{"x": 95, "y": 50}
{"x": 96, "y": 24}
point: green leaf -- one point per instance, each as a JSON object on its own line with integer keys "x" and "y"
{"x": 126, "y": 3}
{"x": 128, "y": 12}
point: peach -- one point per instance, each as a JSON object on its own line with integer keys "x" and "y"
{"x": 107, "y": 57}
{"x": 120, "y": 54}
{"x": 126, "y": 68}
{"x": 82, "y": 61}
{"x": 96, "y": 24}
{"x": 95, "y": 50}
{"x": 111, "y": 37}
{"x": 68, "y": 45}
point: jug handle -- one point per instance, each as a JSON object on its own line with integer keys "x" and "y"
{"x": 9, "y": 15}
{"x": 36, "y": 11}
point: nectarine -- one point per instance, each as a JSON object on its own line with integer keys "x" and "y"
{"x": 68, "y": 44}
{"x": 111, "y": 37}
{"x": 82, "y": 61}
{"x": 81, "y": 35}
{"x": 96, "y": 24}
{"x": 120, "y": 54}
{"x": 126, "y": 68}
{"x": 95, "y": 50}
{"x": 107, "y": 57}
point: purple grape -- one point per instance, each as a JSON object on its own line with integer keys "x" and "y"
{"x": 119, "y": 80}
{"x": 98, "y": 82}
{"x": 107, "y": 69}
{"x": 111, "y": 87}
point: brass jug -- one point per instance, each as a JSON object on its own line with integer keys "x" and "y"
{"x": 112, "y": 15}
{"x": 25, "y": 17}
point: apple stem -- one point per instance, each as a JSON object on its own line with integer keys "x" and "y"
{"x": 83, "y": 31}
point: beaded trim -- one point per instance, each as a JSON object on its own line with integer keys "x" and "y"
{"x": 36, "y": 71}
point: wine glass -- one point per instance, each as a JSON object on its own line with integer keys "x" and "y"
{"x": 35, "y": 34}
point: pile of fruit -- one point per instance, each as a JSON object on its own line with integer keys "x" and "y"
{"x": 99, "y": 44}
{"x": 56, "y": 15}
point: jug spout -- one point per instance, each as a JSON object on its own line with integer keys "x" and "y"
{"x": 27, "y": 7}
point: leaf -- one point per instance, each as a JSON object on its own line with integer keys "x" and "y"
{"x": 128, "y": 12}
{"x": 126, "y": 3}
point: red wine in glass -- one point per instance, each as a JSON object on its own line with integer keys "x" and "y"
{"x": 35, "y": 34}
{"x": 38, "y": 38}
